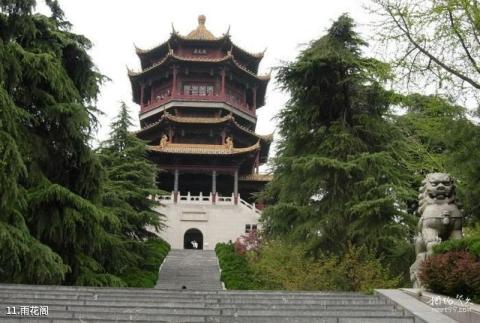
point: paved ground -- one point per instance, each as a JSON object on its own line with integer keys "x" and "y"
{"x": 190, "y": 269}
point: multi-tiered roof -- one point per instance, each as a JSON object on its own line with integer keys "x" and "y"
{"x": 199, "y": 48}
{"x": 198, "y": 96}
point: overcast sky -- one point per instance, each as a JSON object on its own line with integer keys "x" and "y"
{"x": 280, "y": 26}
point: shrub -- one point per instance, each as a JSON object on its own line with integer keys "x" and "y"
{"x": 453, "y": 273}
{"x": 154, "y": 252}
{"x": 236, "y": 273}
{"x": 281, "y": 265}
{"x": 454, "y": 269}
{"x": 470, "y": 243}
{"x": 247, "y": 242}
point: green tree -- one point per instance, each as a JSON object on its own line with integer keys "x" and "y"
{"x": 130, "y": 184}
{"x": 449, "y": 141}
{"x": 434, "y": 43}
{"x": 131, "y": 180}
{"x": 51, "y": 225}
{"x": 344, "y": 171}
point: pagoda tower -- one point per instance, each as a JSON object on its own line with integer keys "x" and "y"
{"x": 198, "y": 96}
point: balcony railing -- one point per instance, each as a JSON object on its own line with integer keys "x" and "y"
{"x": 206, "y": 199}
{"x": 232, "y": 100}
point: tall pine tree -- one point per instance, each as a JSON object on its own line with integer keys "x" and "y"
{"x": 131, "y": 179}
{"x": 344, "y": 171}
{"x": 130, "y": 184}
{"x": 450, "y": 140}
{"x": 52, "y": 226}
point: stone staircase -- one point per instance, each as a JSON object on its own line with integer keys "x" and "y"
{"x": 189, "y": 290}
{"x": 190, "y": 269}
{"x": 86, "y": 304}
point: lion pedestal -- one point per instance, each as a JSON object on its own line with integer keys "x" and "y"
{"x": 440, "y": 218}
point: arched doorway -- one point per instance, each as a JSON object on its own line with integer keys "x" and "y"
{"x": 193, "y": 238}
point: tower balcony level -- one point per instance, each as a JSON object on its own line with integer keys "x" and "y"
{"x": 167, "y": 97}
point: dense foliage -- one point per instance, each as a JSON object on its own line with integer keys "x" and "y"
{"x": 279, "y": 265}
{"x": 248, "y": 242}
{"x": 129, "y": 183}
{"x": 434, "y": 44}
{"x": 50, "y": 225}
{"x": 453, "y": 273}
{"x": 447, "y": 139}
{"x": 470, "y": 243}
{"x": 236, "y": 273}
{"x": 454, "y": 269}
{"x": 56, "y": 225}
{"x": 130, "y": 179}
{"x": 344, "y": 170}
{"x": 145, "y": 275}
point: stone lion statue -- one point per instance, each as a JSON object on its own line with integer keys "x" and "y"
{"x": 440, "y": 218}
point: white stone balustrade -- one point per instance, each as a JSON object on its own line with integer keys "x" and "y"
{"x": 206, "y": 199}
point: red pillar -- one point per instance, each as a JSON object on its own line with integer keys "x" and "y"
{"x": 214, "y": 186}
{"x": 151, "y": 92}
{"x": 254, "y": 98}
{"x": 222, "y": 92}
{"x": 235, "y": 186}
{"x": 174, "y": 82}
{"x": 175, "y": 186}
{"x": 142, "y": 92}
{"x": 245, "y": 97}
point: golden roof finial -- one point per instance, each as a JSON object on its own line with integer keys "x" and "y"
{"x": 201, "y": 32}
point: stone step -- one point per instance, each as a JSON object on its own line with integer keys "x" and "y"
{"x": 189, "y": 312}
{"x": 178, "y": 294}
{"x": 188, "y": 286}
{"x": 272, "y": 319}
{"x": 69, "y": 304}
{"x": 281, "y": 319}
{"x": 185, "y": 296}
{"x": 185, "y": 299}
{"x": 149, "y": 307}
{"x": 175, "y": 293}
{"x": 88, "y": 316}
{"x": 192, "y": 269}
{"x": 225, "y": 319}
{"x": 200, "y": 315}
{"x": 108, "y": 290}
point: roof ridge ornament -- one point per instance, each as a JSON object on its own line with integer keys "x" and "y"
{"x": 227, "y": 34}
{"x": 201, "y": 32}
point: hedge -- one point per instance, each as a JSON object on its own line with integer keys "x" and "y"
{"x": 236, "y": 273}
{"x": 454, "y": 268}
{"x": 153, "y": 255}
